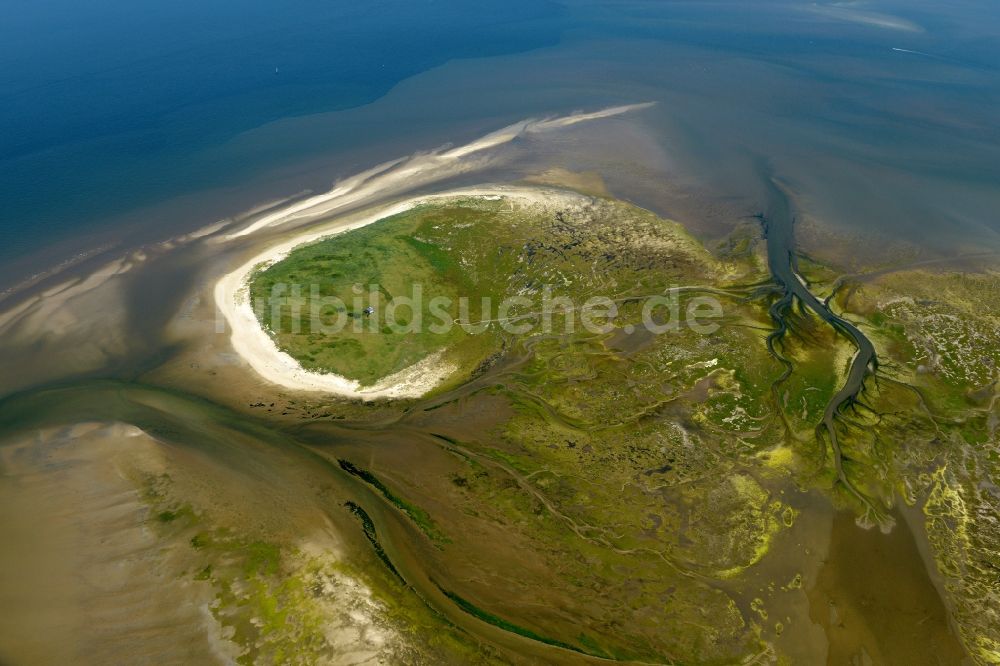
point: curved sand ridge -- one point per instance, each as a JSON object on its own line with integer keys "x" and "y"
{"x": 253, "y": 343}
{"x": 400, "y": 175}
{"x": 256, "y": 347}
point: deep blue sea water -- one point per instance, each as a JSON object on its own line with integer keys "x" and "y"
{"x": 106, "y": 105}
{"x": 881, "y": 115}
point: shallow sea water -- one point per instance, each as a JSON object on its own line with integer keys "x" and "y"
{"x": 880, "y": 116}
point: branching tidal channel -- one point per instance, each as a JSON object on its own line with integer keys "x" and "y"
{"x": 778, "y": 228}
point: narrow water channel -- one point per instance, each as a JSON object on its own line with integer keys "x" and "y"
{"x": 779, "y": 232}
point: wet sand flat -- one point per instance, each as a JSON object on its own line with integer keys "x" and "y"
{"x": 876, "y": 602}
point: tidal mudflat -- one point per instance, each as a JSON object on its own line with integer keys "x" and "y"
{"x": 702, "y": 472}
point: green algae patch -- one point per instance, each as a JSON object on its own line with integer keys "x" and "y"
{"x": 420, "y": 517}
{"x": 496, "y": 621}
{"x": 277, "y": 602}
{"x": 731, "y": 527}
{"x": 180, "y": 513}
{"x": 369, "y": 529}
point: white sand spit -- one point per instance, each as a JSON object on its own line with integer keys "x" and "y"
{"x": 404, "y": 174}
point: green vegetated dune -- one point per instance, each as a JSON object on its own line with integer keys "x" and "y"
{"x": 464, "y": 250}
{"x": 637, "y": 496}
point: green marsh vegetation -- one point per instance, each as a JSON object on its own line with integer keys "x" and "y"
{"x": 624, "y": 494}
{"x": 368, "y": 268}
{"x": 465, "y": 251}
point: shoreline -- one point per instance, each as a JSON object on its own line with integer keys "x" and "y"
{"x": 395, "y": 176}
{"x": 252, "y": 343}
